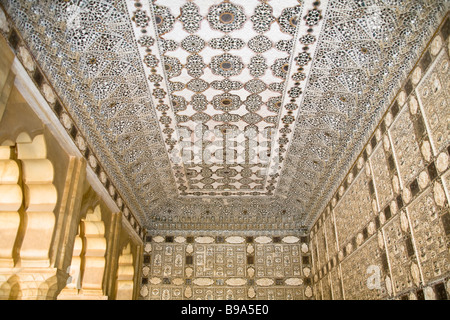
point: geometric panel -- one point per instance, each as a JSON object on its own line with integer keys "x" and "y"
{"x": 404, "y": 268}
{"x": 218, "y": 268}
{"x": 277, "y": 260}
{"x": 406, "y": 148}
{"x": 381, "y": 176}
{"x": 354, "y": 210}
{"x": 364, "y": 265}
{"x": 429, "y": 235}
{"x": 434, "y": 99}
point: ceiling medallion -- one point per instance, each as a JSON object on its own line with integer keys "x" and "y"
{"x": 226, "y": 102}
{"x": 226, "y": 65}
{"x": 226, "y": 17}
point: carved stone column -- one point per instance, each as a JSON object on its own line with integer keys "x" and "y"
{"x": 125, "y": 275}
{"x": 27, "y": 200}
{"x": 88, "y": 261}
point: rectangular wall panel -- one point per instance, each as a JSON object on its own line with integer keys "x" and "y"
{"x": 354, "y": 210}
{"x": 366, "y": 265}
{"x": 234, "y": 267}
{"x": 429, "y": 235}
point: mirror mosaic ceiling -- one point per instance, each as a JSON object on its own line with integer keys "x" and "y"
{"x": 307, "y": 80}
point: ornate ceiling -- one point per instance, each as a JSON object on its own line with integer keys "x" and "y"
{"x": 223, "y": 114}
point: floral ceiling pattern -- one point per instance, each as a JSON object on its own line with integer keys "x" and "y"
{"x": 201, "y": 111}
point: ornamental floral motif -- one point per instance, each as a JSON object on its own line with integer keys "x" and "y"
{"x": 289, "y": 19}
{"x": 167, "y": 45}
{"x": 307, "y": 39}
{"x": 200, "y": 117}
{"x": 193, "y": 44}
{"x": 280, "y": 67}
{"x": 180, "y": 119}
{"x": 257, "y": 66}
{"x": 162, "y": 107}
{"x": 146, "y": 41}
{"x": 151, "y": 61}
{"x": 226, "y": 43}
{"x": 226, "y": 85}
{"x": 155, "y": 77}
{"x": 226, "y": 65}
{"x": 165, "y": 120}
{"x": 163, "y": 18}
{"x": 291, "y": 106}
{"x": 226, "y": 102}
{"x": 277, "y": 86}
{"x": 298, "y": 76}
{"x": 253, "y": 102}
{"x": 199, "y": 102}
{"x": 176, "y": 86}
{"x": 251, "y": 118}
{"x": 178, "y": 103}
{"x": 195, "y": 65}
{"x": 172, "y": 66}
{"x": 226, "y": 117}
{"x": 271, "y": 119}
{"x": 159, "y": 93}
{"x": 285, "y": 45}
{"x": 313, "y": 17}
{"x": 140, "y": 18}
{"x": 302, "y": 58}
{"x": 197, "y": 85}
{"x": 226, "y": 17}
{"x": 262, "y": 18}
{"x": 260, "y": 44}
{"x": 274, "y": 104}
{"x": 294, "y": 92}
{"x": 287, "y": 119}
{"x": 255, "y": 86}
{"x": 190, "y": 17}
